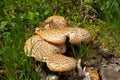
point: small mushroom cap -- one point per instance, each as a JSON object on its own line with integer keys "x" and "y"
{"x": 78, "y": 35}
{"x": 60, "y": 63}
{"x": 59, "y": 35}
{"x": 56, "y": 21}
{"x": 54, "y": 36}
{"x": 38, "y": 48}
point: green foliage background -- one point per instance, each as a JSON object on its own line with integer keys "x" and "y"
{"x": 16, "y": 16}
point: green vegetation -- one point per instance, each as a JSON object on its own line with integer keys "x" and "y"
{"x": 18, "y": 18}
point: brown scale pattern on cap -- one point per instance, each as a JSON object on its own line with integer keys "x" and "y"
{"x": 61, "y": 63}
{"x": 77, "y": 35}
{"x": 38, "y": 48}
{"x": 55, "y": 36}
{"x": 58, "y": 36}
{"x": 43, "y": 51}
{"x": 54, "y": 22}
{"x": 49, "y": 43}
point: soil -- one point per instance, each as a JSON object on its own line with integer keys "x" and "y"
{"x": 98, "y": 67}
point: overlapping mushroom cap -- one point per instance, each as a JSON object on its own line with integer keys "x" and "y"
{"x": 61, "y": 63}
{"x": 54, "y": 22}
{"x": 43, "y": 51}
{"x": 58, "y": 36}
{"x": 40, "y": 49}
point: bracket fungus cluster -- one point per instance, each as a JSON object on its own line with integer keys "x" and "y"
{"x": 48, "y": 45}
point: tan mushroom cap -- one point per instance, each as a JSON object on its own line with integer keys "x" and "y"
{"x": 78, "y": 35}
{"x": 58, "y": 36}
{"x": 56, "y": 21}
{"x": 54, "y": 36}
{"x": 43, "y": 51}
{"x": 38, "y": 48}
{"x": 61, "y": 63}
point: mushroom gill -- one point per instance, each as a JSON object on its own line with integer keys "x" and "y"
{"x": 59, "y": 35}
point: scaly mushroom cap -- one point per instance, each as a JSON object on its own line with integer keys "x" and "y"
{"x": 54, "y": 36}
{"x": 53, "y": 22}
{"x": 38, "y": 48}
{"x": 43, "y": 51}
{"x": 78, "y": 35}
{"x": 58, "y": 36}
{"x": 61, "y": 63}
